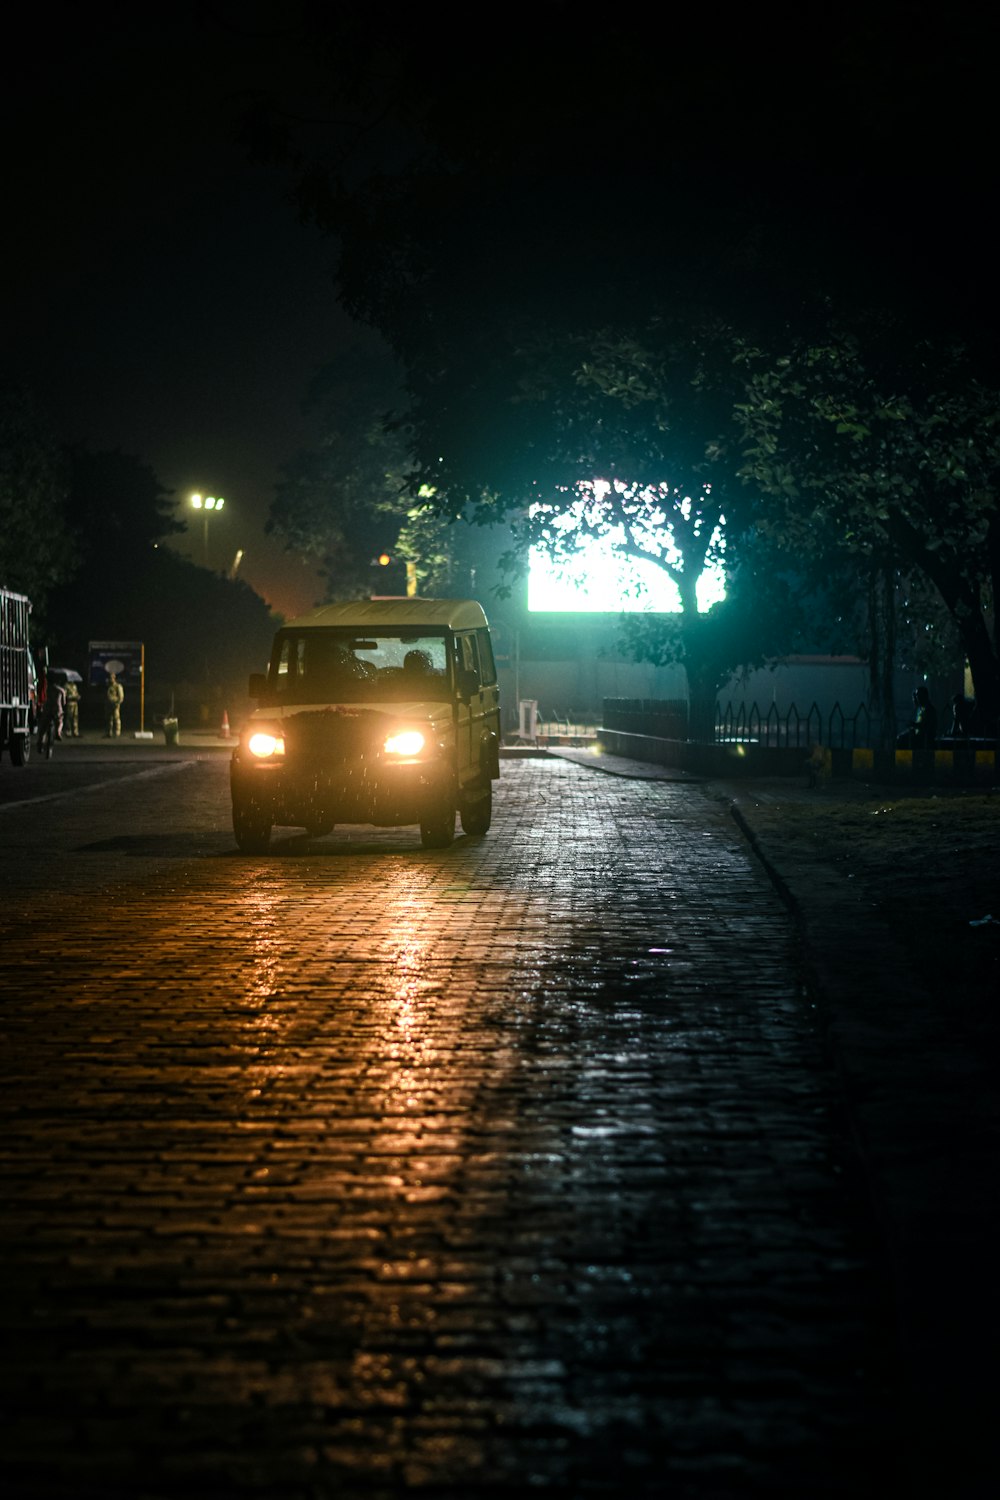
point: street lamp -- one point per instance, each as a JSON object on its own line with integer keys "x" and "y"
{"x": 206, "y": 503}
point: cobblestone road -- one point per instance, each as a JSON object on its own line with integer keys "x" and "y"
{"x": 365, "y": 1170}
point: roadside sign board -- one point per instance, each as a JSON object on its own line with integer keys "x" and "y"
{"x": 124, "y": 658}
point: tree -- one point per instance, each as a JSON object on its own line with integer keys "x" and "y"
{"x": 569, "y": 165}
{"x": 454, "y": 557}
{"x": 80, "y": 534}
{"x": 621, "y": 407}
{"x": 894, "y": 463}
{"x": 117, "y": 508}
{"x": 345, "y": 502}
{"x": 198, "y": 629}
{"x": 352, "y": 500}
{"x": 116, "y": 512}
{"x": 36, "y": 551}
{"x": 507, "y": 231}
{"x": 203, "y": 633}
{"x": 634, "y": 440}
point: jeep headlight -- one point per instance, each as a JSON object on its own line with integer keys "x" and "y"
{"x": 407, "y": 742}
{"x": 264, "y": 744}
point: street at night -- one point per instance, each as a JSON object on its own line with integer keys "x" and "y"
{"x": 361, "y": 1169}
{"x": 587, "y": 446}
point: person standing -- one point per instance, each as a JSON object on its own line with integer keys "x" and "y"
{"x": 72, "y": 711}
{"x": 53, "y": 707}
{"x": 116, "y": 697}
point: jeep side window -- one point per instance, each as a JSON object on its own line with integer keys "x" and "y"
{"x": 468, "y": 656}
{"x": 288, "y": 668}
{"x": 487, "y": 665}
{"x": 281, "y": 667}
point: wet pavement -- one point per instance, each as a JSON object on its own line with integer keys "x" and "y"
{"x": 365, "y": 1170}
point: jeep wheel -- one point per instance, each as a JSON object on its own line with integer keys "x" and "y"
{"x": 20, "y": 749}
{"x": 477, "y": 811}
{"x": 437, "y": 828}
{"x": 251, "y": 825}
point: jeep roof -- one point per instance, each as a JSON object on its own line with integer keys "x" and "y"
{"x": 390, "y": 614}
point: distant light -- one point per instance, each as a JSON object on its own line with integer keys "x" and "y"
{"x": 196, "y": 501}
{"x": 384, "y": 559}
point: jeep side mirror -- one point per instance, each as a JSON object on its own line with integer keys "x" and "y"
{"x": 258, "y": 684}
{"x": 468, "y": 682}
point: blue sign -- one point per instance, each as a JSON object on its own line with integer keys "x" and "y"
{"x": 123, "y": 658}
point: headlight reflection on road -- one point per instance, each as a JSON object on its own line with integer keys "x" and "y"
{"x": 409, "y": 959}
{"x": 266, "y": 949}
{"x": 409, "y": 1033}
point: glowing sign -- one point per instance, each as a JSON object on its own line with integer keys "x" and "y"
{"x": 585, "y": 567}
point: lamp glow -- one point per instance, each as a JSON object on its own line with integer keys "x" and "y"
{"x": 206, "y": 503}
{"x": 264, "y": 745}
{"x": 408, "y": 742}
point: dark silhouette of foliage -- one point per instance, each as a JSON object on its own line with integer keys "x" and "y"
{"x": 893, "y": 462}
{"x": 36, "y": 551}
{"x": 203, "y": 633}
{"x": 117, "y": 509}
{"x": 550, "y": 240}
{"x": 351, "y": 501}
{"x": 344, "y": 503}
{"x": 81, "y": 534}
{"x": 198, "y": 628}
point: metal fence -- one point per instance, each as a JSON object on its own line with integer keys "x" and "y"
{"x": 668, "y": 719}
{"x": 797, "y": 730}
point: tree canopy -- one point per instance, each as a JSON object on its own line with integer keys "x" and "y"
{"x": 198, "y": 627}
{"x": 350, "y": 503}
{"x": 116, "y": 508}
{"x": 573, "y": 173}
{"x": 203, "y": 633}
{"x": 573, "y": 250}
{"x": 893, "y": 461}
{"x": 344, "y": 503}
{"x": 36, "y": 548}
{"x": 81, "y": 535}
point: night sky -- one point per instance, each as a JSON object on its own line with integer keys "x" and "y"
{"x": 160, "y": 295}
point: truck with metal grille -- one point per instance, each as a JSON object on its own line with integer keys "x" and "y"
{"x": 18, "y": 683}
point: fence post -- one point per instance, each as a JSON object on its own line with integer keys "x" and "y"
{"x": 814, "y": 725}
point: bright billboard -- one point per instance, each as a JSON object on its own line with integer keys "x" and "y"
{"x": 583, "y": 565}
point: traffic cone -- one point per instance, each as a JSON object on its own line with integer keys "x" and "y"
{"x": 224, "y": 727}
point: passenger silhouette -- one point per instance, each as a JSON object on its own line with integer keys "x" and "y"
{"x": 417, "y": 663}
{"x": 922, "y": 731}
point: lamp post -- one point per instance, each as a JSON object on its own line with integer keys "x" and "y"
{"x": 206, "y": 503}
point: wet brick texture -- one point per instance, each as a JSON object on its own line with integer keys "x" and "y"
{"x": 361, "y": 1170}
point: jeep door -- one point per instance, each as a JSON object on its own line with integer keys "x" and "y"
{"x": 477, "y": 707}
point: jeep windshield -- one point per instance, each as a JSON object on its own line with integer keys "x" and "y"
{"x": 345, "y": 666}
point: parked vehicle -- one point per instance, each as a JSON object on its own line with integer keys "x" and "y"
{"x": 18, "y": 680}
{"x": 379, "y": 711}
